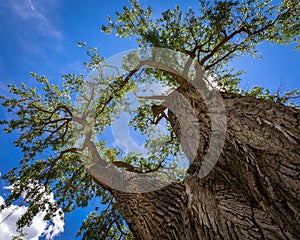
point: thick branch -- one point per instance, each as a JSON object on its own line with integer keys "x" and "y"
{"x": 180, "y": 80}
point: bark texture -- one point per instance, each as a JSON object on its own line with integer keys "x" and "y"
{"x": 253, "y": 192}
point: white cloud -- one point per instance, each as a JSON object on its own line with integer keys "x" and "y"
{"x": 38, "y": 228}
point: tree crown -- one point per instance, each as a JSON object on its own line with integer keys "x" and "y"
{"x": 44, "y": 116}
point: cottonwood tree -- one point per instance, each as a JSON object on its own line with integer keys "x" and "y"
{"x": 251, "y": 192}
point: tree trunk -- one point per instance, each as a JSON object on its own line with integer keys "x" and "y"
{"x": 253, "y": 192}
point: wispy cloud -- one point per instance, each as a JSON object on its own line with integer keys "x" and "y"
{"x": 30, "y": 4}
{"x": 31, "y": 32}
{"x": 28, "y": 10}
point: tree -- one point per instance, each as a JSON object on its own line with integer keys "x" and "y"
{"x": 251, "y": 192}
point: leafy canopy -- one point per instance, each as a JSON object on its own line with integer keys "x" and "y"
{"x": 212, "y": 35}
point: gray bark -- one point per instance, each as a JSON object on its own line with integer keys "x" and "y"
{"x": 253, "y": 192}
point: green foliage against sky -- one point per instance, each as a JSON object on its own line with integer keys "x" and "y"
{"x": 212, "y": 36}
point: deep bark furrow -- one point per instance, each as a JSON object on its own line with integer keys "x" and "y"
{"x": 253, "y": 191}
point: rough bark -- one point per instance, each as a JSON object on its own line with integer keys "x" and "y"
{"x": 253, "y": 192}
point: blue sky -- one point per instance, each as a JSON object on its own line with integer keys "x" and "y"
{"x": 42, "y": 36}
